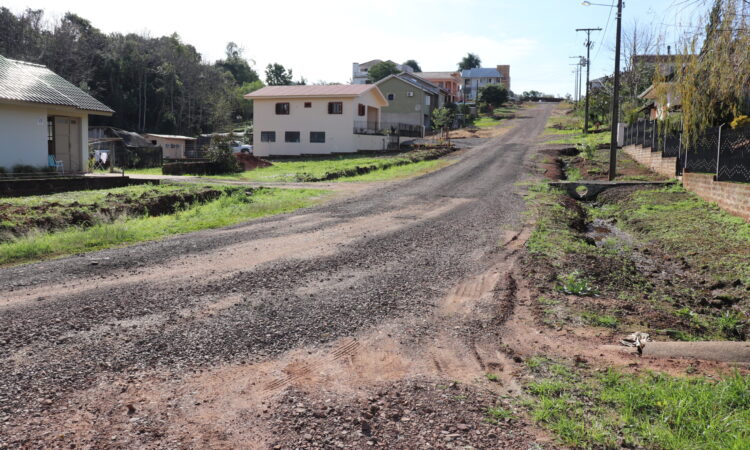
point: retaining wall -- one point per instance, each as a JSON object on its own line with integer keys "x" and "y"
{"x": 732, "y": 197}
{"x": 653, "y": 160}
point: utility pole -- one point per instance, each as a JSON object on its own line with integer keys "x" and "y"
{"x": 615, "y": 99}
{"x": 588, "y": 45}
{"x": 579, "y": 64}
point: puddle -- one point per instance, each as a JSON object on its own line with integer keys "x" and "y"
{"x": 604, "y": 233}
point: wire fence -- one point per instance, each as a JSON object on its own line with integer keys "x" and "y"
{"x": 720, "y": 151}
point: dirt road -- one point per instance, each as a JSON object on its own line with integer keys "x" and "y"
{"x": 365, "y": 310}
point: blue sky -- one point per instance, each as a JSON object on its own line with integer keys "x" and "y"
{"x": 320, "y": 39}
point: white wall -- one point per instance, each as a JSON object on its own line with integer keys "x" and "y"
{"x": 367, "y": 142}
{"x": 23, "y": 135}
{"x": 338, "y": 127}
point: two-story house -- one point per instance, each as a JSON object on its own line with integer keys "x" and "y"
{"x": 450, "y": 81}
{"x": 411, "y": 100}
{"x": 307, "y": 120}
{"x": 360, "y": 72}
{"x": 475, "y": 79}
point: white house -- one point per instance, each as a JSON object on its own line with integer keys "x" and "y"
{"x": 173, "y": 146}
{"x": 307, "y": 120}
{"x": 360, "y": 72}
{"x": 473, "y": 80}
{"x": 43, "y": 118}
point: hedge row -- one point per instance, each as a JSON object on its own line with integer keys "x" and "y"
{"x": 408, "y": 158}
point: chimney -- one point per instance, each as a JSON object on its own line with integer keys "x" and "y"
{"x": 505, "y": 72}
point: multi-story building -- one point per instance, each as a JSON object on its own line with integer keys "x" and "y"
{"x": 450, "y": 81}
{"x": 411, "y": 101}
{"x": 472, "y": 80}
{"x": 360, "y": 72}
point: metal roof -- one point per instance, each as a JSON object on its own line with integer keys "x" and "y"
{"x": 33, "y": 83}
{"x": 481, "y": 72}
{"x": 335, "y": 90}
{"x": 437, "y": 75}
{"x": 170, "y": 136}
{"x": 415, "y": 81}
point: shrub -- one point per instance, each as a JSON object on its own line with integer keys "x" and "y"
{"x": 740, "y": 121}
{"x": 24, "y": 168}
{"x": 220, "y": 155}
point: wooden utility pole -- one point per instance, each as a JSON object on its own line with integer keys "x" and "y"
{"x": 588, "y": 45}
{"x": 615, "y": 99}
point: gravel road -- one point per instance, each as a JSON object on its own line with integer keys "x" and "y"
{"x": 251, "y": 292}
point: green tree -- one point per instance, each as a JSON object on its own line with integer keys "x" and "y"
{"x": 413, "y": 64}
{"x": 277, "y": 75}
{"x": 382, "y": 70}
{"x": 238, "y": 66}
{"x": 494, "y": 95}
{"x": 442, "y": 118}
{"x": 470, "y": 61}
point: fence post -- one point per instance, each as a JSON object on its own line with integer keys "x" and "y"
{"x": 718, "y": 153}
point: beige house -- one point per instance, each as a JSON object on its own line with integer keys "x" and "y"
{"x": 43, "y": 118}
{"x": 308, "y": 120}
{"x": 172, "y": 146}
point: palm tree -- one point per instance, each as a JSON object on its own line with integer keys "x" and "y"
{"x": 470, "y": 61}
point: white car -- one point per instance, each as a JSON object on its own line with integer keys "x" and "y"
{"x": 239, "y": 147}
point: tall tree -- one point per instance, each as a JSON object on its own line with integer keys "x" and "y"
{"x": 382, "y": 70}
{"x": 470, "y": 61}
{"x": 413, "y": 64}
{"x": 277, "y": 75}
{"x": 493, "y": 94}
{"x": 237, "y": 65}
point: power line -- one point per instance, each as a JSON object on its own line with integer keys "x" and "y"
{"x": 606, "y": 27}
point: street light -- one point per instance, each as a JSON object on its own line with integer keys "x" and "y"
{"x": 615, "y": 93}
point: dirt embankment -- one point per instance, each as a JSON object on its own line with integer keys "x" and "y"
{"x": 19, "y": 219}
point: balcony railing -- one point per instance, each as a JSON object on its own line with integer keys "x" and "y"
{"x": 385, "y": 129}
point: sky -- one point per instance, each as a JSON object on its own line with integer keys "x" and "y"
{"x": 320, "y": 39}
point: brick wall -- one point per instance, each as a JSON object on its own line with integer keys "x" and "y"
{"x": 732, "y": 197}
{"x": 653, "y": 160}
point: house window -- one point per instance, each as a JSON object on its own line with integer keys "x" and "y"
{"x": 317, "y": 137}
{"x": 282, "y": 108}
{"x": 267, "y": 136}
{"x": 410, "y": 93}
{"x": 391, "y": 97}
{"x": 308, "y": 104}
{"x": 291, "y": 136}
{"x": 427, "y": 100}
{"x": 50, "y": 136}
{"x": 335, "y": 108}
{"x": 361, "y": 109}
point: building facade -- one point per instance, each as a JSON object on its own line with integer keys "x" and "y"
{"x": 411, "y": 100}
{"x": 317, "y": 120}
{"x": 360, "y": 72}
{"x": 450, "y": 81}
{"x": 43, "y": 118}
{"x": 472, "y": 80}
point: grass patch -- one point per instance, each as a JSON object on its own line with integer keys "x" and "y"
{"x": 230, "y": 208}
{"x": 614, "y": 409}
{"x": 397, "y": 172}
{"x": 599, "y": 320}
{"x": 498, "y": 413}
{"x": 487, "y": 122}
{"x": 580, "y": 139}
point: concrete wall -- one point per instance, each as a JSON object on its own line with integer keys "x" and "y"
{"x": 731, "y": 197}
{"x": 339, "y": 128}
{"x": 653, "y": 160}
{"x": 171, "y": 148}
{"x": 23, "y": 135}
{"x": 367, "y": 142}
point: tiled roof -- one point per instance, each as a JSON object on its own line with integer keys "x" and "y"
{"x": 481, "y": 72}
{"x": 336, "y": 90}
{"x": 436, "y": 75}
{"x": 26, "y": 82}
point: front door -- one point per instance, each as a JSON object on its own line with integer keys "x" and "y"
{"x": 68, "y": 143}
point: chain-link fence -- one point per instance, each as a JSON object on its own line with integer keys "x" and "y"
{"x": 721, "y": 151}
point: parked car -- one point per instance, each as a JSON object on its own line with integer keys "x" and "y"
{"x": 239, "y": 147}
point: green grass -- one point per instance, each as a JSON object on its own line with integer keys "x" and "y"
{"x": 613, "y": 409}
{"x": 397, "y": 172}
{"x": 226, "y": 210}
{"x": 99, "y": 195}
{"x": 599, "y": 320}
{"x": 580, "y": 139}
{"x": 498, "y": 413}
